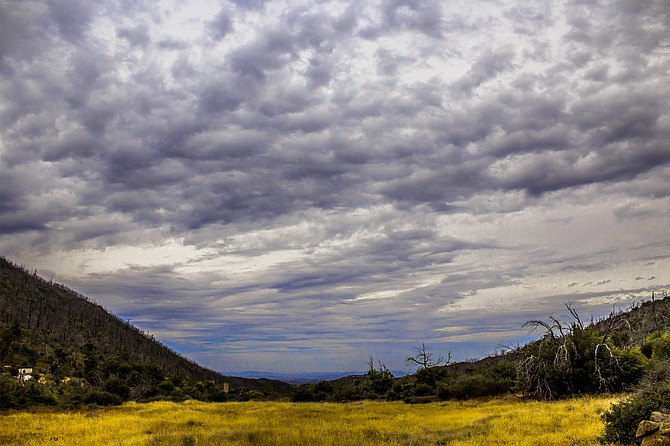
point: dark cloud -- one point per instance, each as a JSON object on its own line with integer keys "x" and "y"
{"x": 354, "y": 166}
{"x": 221, "y": 25}
{"x": 489, "y": 65}
{"x": 424, "y": 16}
{"x": 136, "y": 36}
{"x": 73, "y": 17}
{"x": 250, "y": 4}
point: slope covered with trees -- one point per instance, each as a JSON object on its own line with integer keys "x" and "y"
{"x": 65, "y": 337}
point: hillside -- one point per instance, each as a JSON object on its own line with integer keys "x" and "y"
{"x": 55, "y": 329}
{"x": 626, "y": 328}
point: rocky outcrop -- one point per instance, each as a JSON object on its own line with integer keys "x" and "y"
{"x": 655, "y": 431}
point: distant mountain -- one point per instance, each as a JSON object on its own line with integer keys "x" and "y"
{"x": 55, "y": 322}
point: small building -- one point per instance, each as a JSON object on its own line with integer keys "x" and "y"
{"x": 25, "y": 374}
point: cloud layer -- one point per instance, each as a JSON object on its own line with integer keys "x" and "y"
{"x": 286, "y": 186}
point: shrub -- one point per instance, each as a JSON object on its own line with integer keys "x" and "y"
{"x": 8, "y": 391}
{"x": 381, "y": 379}
{"x": 630, "y": 366}
{"x": 101, "y": 398}
{"x": 622, "y": 419}
{"x": 37, "y": 394}
{"x": 472, "y": 385}
{"x": 118, "y": 387}
{"x": 660, "y": 345}
{"x": 303, "y": 395}
{"x": 423, "y": 390}
{"x": 402, "y": 388}
{"x": 165, "y": 387}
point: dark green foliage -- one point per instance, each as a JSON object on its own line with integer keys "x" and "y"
{"x": 37, "y": 395}
{"x": 660, "y": 345}
{"x": 470, "y": 385}
{"x": 380, "y": 379}
{"x": 8, "y": 336}
{"x": 118, "y": 387}
{"x": 101, "y": 398}
{"x": 430, "y": 375}
{"x": 303, "y": 395}
{"x": 8, "y": 392}
{"x": 402, "y": 388}
{"x": 622, "y": 419}
{"x": 629, "y": 367}
{"x": 422, "y": 389}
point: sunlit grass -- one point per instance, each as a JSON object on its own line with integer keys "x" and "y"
{"x": 495, "y": 422}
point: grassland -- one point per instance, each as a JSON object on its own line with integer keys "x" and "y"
{"x": 493, "y": 422}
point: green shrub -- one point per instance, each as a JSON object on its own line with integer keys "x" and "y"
{"x": 303, "y": 395}
{"x": 37, "y": 394}
{"x": 622, "y": 419}
{"x": 628, "y": 369}
{"x": 422, "y": 389}
{"x": 101, "y": 398}
{"x": 470, "y": 385}
{"x": 660, "y": 345}
{"x": 118, "y": 387}
{"x": 8, "y": 391}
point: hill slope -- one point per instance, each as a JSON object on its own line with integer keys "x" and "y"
{"x": 55, "y": 320}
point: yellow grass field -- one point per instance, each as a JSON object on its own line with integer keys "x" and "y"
{"x": 494, "y": 422}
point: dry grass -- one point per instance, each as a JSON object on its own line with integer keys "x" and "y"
{"x": 494, "y": 422}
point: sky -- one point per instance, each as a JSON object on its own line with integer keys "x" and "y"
{"x": 295, "y": 186}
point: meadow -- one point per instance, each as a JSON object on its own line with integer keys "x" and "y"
{"x": 475, "y": 422}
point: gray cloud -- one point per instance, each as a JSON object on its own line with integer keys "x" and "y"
{"x": 386, "y": 172}
{"x": 221, "y": 25}
{"x": 136, "y": 36}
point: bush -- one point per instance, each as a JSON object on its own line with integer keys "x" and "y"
{"x": 660, "y": 345}
{"x": 101, "y": 398}
{"x": 402, "y": 388}
{"x": 463, "y": 386}
{"x": 380, "y": 380}
{"x": 630, "y": 366}
{"x": 423, "y": 390}
{"x": 622, "y": 419}
{"x": 303, "y": 395}
{"x": 8, "y": 391}
{"x": 37, "y": 394}
{"x": 118, "y": 387}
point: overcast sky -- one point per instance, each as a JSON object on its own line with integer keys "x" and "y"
{"x": 295, "y": 186}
